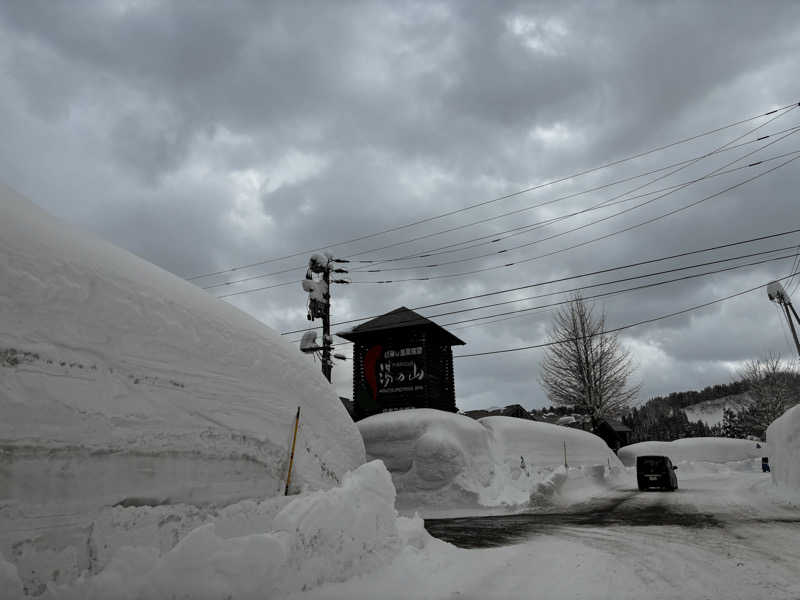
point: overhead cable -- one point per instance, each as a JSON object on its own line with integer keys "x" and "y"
{"x": 499, "y": 198}
{"x": 622, "y": 327}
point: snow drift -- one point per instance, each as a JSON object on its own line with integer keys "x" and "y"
{"x": 441, "y": 458}
{"x": 704, "y": 449}
{"x": 783, "y": 436}
{"x": 121, "y": 383}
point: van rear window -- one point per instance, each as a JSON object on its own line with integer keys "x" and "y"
{"x": 651, "y": 464}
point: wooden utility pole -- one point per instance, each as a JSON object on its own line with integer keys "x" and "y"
{"x": 291, "y": 453}
{"x": 319, "y": 306}
{"x": 327, "y": 364}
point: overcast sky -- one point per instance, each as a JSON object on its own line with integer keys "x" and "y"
{"x": 208, "y": 135}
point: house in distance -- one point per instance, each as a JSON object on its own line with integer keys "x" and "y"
{"x": 401, "y": 360}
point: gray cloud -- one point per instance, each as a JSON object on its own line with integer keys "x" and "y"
{"x": 204, "y": 136}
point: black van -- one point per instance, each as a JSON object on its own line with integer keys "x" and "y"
{"x": 656, "y": 472}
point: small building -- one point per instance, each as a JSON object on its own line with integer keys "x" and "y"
{"x": 614, "y": 433}
{"x": 401, "y": 360}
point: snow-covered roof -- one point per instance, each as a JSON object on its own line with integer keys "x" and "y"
{"x": 397, "y": 319}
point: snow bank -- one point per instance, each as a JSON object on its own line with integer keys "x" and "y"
{"x": 705, "y": 449}
{"x": 9, "y": 581}
{"x": 121, "y": 383}
{"x": 442, "y": 458}
{"x": 318, "y": 537}
{"x": 783, "y": 436}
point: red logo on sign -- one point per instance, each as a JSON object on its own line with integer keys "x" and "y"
{"x": 370, "y": 370}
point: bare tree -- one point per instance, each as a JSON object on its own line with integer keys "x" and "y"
{"x": 586, "y": 368}
{"x": 773, "y": 386}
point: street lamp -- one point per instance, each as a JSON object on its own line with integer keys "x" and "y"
{"x": 777, "y": 294}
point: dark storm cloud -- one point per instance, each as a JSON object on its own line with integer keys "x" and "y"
{"x": 208, "y": 135}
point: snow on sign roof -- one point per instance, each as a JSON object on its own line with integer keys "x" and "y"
{"x": 396, "y": 319}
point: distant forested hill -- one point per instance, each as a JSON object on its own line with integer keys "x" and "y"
{"x": 663, "y": 418}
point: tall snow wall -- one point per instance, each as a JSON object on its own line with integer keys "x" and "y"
{"x": 121, "y": 384}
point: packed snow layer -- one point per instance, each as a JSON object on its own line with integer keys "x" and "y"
{"x": 246, "y": 552}
{"x": 699, "y": 449}
{"x": 783, "y": 436}
{"x": 711, "y": 412}
{"x": 121, "y": 383}
{"x": 441, "y": 458}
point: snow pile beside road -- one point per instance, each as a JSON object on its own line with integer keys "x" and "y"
{"x": 9, "y": 581}
{"x": 438, "y": 458}
{"x": 704, "y": 449}
{"x": 318, "y": 537}
{"x": 121, "y": 383}
{"x": 783, "y": 436}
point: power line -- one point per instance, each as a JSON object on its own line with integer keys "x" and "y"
{"x": 499, "y": 236}
{"x": 446, "y": 249}
{"x": 553, "y": 252}
{"x": 678, "y": 167}
{"x": 473, "y": 322}
{"x": 519, "y": 230}
{"x": 579, "y": 276}
{"x": 631, "y": 289}
{"x": 587, "y": 242}
{"x": 622, "y": 327}
{"x": 612, "y": 202}
{"x": 499, "y": 198}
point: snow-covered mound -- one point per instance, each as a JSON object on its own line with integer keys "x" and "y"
{"x": 442, "y": 458}
{"x": 710, "y": 412}
{"x": 705, "y": 449}
{"x": 783, "y": 436}
{"x": 121, "y": 383}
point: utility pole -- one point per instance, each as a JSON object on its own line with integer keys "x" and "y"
{"x": 327, "y": 342}
{"x": 319, "y": 306}
{"x": 776, "y": 293}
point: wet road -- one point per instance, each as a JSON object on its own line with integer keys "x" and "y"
{"x": 705, "y": 502}
{"x": 625, "y": 509}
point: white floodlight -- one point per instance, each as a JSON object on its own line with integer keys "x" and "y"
{"x": 776, "y": 293}
{"x": 308, "y": 343}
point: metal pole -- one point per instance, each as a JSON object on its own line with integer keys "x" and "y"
{"x": 794, "y": 312}
{"x": 291, "y": 455}
{"x": 565, "y": 455}
{"x": 786, "y": 306}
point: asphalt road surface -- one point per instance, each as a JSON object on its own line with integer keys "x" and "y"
{"x": 624, "y": 508}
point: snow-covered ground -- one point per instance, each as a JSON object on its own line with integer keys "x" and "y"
{"x": 699, "y": 449}
{"x": 783, "y": 437}
{"x": 719, "y": 536}
{"x": 710, "y": 412}
{"x": 121, "y": 384}
{"x": 441, "y": 459}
